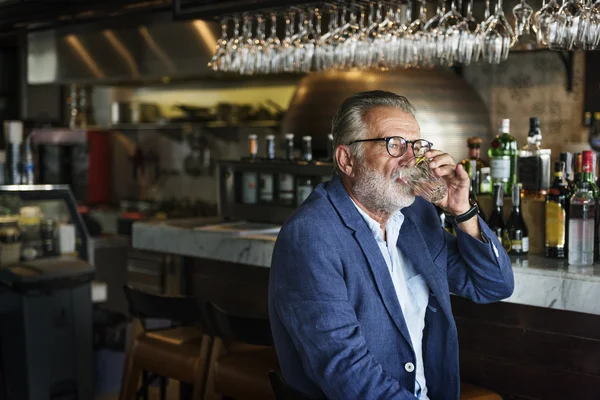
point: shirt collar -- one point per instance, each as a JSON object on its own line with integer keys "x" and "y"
{"x": 392, "y": 227}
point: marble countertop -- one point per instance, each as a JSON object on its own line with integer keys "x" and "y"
{"x": 539, "y": 281}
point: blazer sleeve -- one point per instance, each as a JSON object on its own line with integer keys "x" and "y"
{"x": 479, "y": 270}
{"x": 310, "y": 297}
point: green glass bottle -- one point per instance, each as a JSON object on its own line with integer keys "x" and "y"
{"x": 503, "y": 154}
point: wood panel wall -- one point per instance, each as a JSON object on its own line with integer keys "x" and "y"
{"x": 522, "y": 352}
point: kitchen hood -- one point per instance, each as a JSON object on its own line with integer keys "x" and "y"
{"x": 143, "y": 49}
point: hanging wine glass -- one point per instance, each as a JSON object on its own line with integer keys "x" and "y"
{"x": 272, "y": 47}
{"x": 470, "y": 38}
{"x": 234, "y": 60}
{"x": 544, "y": 20}
{"x": 417, "y": 35}
{"x": 451, "y": 26}
{"x": 498, "y": 37}
{"x": 523, "y": 14}
{"x": 260, "y": 43}
{"x": 218, "y": 60}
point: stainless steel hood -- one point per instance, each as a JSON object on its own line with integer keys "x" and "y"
{"x": 151, "y": 49}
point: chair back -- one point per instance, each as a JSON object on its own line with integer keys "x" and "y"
{"x": 178, "y": 309}
{"x": 283, "y": 391}
{"x": 234, "y": 326}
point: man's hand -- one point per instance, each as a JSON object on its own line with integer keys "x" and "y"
{"x": 456, "y": 201}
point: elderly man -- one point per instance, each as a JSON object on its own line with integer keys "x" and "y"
{"x": 359, "y": 292}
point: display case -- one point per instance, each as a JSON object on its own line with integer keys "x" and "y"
{"x": 56, "y": 203}
{"x": 267, "y": 190}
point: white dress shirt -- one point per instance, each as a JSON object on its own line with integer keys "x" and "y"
{"x": 411, "y": 289}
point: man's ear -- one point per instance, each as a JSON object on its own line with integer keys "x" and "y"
{"x": 344, "y": 160}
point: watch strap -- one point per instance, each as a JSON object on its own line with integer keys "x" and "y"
{"x": 457, "y": 219}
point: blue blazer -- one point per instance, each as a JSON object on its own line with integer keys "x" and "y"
{"x": 337, "y": 324}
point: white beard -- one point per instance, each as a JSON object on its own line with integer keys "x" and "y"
{"x": 380, "y": 194}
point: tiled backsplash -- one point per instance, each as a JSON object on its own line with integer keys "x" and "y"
{"x": 534, "y": 84}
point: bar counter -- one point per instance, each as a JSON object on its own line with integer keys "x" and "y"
{"x": 541, "y": 343}
{"x": 539, "y": 281}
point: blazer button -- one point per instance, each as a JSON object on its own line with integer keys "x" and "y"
{"x": 409, "y": 367}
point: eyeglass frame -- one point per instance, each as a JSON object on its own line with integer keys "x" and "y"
{"x": 387, "y": 144}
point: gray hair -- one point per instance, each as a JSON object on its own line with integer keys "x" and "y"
{"x": 348, "y": 122}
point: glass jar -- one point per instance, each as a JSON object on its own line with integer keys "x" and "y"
{"x": 29, "y": 223}
{"x": 10, "y": 241}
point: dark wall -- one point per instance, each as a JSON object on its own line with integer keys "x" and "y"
{"x": 592, "y": 82}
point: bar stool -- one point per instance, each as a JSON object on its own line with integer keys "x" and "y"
{"x": 472, "y": 392}
{"x": 179, "y": 353}
{"x": 283, "y": 391}
{"x": 241, "y": 358}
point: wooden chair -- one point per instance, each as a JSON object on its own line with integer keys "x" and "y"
{"x": 241, "y": 358}
{"x": 180, "y": 353}
{"x": 472, "y": 392}
{"x": 283, "y": 391}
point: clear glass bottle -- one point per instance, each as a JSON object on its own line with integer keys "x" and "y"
{"x": 307, "y": 148}
{"x": 289, "y": 146}
{"x": 503, "y": 153}
{"x": 270, "y": 147}
{"x": 582, "y": 215}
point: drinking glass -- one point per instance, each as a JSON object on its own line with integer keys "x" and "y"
{"x": 420, "y": 178}
{"x": 416, "y": 36}
{"x": 470, "y": 38}
{"x": 273, "y": 47}
{"x": 218, "y": 61}
{"x": 543, "y": 20}
{"x": 451, "y": 26}
{"x": 564, "y": 25}
{"x": 498, "y": 37}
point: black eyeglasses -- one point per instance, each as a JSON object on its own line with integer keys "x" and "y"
{"x": 397, "y": 145}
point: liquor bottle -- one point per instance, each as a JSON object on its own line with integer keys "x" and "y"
{"x": 587, "y": 176}
{"x": 307, "y": 148}
{"x": 330, "y": 149}
{"x": 485, "y": 181}
{"x": 503, "y": 154}
{"x": 496, "y": 221}
{"x": 289, "y": 146}
{"x": 271, "y": 147}
{"x": 253, "y": 146}
{"x": 557, "y": 207}
{"x": 582, "y": 226}
{"x": 473, "y": 162}
{"x": 473, "y": 193}
{"x": 594, "y": 131}
{"x": 534, "y": 163}
{"x": 567, "y": 159}
{"x": 516, "y": 227}
{"x": 578, "y": 168}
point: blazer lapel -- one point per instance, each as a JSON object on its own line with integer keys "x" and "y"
{"x": 382, "y": 277}
{"x": 364, "y": 237}
{"x": 413, "y": 246}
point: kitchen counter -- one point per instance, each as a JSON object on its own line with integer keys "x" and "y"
{"x": 538, "y": 281}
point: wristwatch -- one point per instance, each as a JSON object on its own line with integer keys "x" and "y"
{"x": 457, "y": 219}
